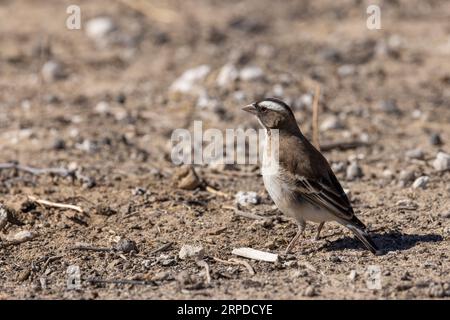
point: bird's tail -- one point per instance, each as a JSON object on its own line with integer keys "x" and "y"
{"x": 359, "y": 230}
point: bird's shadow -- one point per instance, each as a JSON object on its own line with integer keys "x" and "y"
{"x": 390, "y": 241}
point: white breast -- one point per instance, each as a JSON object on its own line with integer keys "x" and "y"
{"x": 282, "y": 194}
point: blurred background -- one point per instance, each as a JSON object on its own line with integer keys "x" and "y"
{"x": 105, "y": 98}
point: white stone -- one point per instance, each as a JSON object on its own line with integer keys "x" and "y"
{"x": 227, "y": 75}
{"x": 52, "y": 70}
{"x": 189, "y": 81}
{"x": 346, "y": 70}
{"x": 3, "y": 217}
{"x": 102, "y": 107}
{"x": 442, "y": 161}
{"x": 189, "y": 251}
{"x": 331, "y": 123}
{"x": 421, "y": 182}
{"x": 21, "y": 236}
{"x": 251, "y": 73}
{"x": 352, "y": 275}
{"x": 354, "y": 171}
{"x": 98, "y": 28}
{"x": 415, "y": 154}
{"x": 278, "y": 90}
{"x": 388, "y": 174}
{"x": 245, "y": 198}
{"x": 406, "y": 175}
{"x": 338, "y": 166}
{"x": 305, "y": 100}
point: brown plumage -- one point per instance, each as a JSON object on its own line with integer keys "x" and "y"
{"x": 304, "y": 186}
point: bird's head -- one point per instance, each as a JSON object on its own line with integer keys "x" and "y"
{"x": 273, "y": 113}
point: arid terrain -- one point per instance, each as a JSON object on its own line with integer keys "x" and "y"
{"x": 86, "y": 118}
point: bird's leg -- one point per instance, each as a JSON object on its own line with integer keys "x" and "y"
{"x": 301, "y": 228}
{"x": 317, "y": 237}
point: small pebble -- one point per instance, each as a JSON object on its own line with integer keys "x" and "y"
{"x": 98, "y": 28}
{"x": 442, "y": 161}
{"x": 189, "y": 251}
{"x": 338, "y": 166}
{"x": 3, "y": 217}
{"x": 389, "y": 106}
{"x": 52, "y": 70}
{"x": 421, "y": 182}
{"x": 352, "y": 275}
{"x": 102, "y": 107}
{"x": 121, "y": 98}
{"x": 168, "y": 262}
{"x": 354, "y": 171}
{"x": 245, "y": 198}
{"x": 126, "y": 245}
{"x": 189, "y": 81}
{"x": 227, "y": 75}
{"x": 59, "y": 144}
{"x": 20, "y": 237}
{"x": 415, "y": 154}
{"x": 388, "y": 174}
{"x": 435, "y": 139}
{"x": 406, "y": 176}
{"x": 407, "y": 204}
{"x": 446, "y": 214}
{"x": 304, "y": 102}
{"x": 251, "y": 74}
{"x": 346, "y": 70}
{"x": 139, "y": 191}
{"x": 187, "y": 178}
{"x": 331, "y": 123}
{"x": 310, "y": 291}
{"x": 436, "y": 290}
{"x": 26, "y": 206}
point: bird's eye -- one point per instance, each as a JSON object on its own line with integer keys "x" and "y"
{"x": 263, "y": 109}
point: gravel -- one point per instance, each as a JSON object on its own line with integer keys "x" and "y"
{"x": 99, "y": 28}
{"x": 442, "y": 161}
{"x": 189, "y": 81}
{"x": 191, "y": 251}
{"x": 227, "y": 75}
{"x": 52, "y": 71}
{"x": 251, "y": 74}
{"x": 415, "y": 154}
{"x": 354, "y": 171}
{"x": 421, "y": 182}
{"x": 246, "y": 198}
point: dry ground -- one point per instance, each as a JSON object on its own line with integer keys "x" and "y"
{"x": 393, "y": 91}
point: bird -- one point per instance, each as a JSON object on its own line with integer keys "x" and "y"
{"x": 303, "y": 186}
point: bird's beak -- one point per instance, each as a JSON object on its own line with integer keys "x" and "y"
{"x": 251, "y": 108}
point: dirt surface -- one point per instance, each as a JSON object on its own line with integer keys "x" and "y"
{"x": 107, "y": 116}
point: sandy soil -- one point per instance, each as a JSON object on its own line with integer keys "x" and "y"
{"x": 389, "y": 87}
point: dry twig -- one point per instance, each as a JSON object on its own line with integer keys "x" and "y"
{"x": 235, "y": 261}
{"x": 90, "y": 248}
{"x": 120, "y": 281}
{"x": 216, "y": 192}
{"x": 162, "y": 248}
{"x": 56, "y": 204}
{"x": 63, "y": 172}
{"x": 343, "y": 145}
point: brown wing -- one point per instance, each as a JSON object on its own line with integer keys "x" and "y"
{"x": 315, "y": 182}
{"x": 325, "y": 193}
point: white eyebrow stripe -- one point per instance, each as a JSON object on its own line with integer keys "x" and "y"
{"x": 272, "y": 106}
